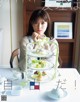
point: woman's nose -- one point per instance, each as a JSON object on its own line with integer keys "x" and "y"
{"x": 39, "y": 26}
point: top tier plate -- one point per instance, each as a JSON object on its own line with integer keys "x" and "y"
{"x": 38, "y": 52}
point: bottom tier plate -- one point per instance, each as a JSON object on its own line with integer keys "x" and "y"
{"x": 42, "y": 76}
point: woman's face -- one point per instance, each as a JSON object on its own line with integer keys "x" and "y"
{"x": 40, "y": 26}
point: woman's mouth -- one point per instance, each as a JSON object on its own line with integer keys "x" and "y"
{"x": 39, "y": 30}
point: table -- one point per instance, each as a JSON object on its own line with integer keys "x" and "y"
{"x": 69, "y": 76}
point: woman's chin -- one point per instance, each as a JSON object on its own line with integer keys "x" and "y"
{"x": 40, "y": 32}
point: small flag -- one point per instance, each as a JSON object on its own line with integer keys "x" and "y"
{"x": 34, "y": 85}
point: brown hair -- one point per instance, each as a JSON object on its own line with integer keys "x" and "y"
{"x": 39, "y": 13}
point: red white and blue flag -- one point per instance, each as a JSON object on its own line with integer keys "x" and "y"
{"x": 34, "y": 85}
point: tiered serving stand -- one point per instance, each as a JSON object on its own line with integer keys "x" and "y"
{"x": 39, "y": 68}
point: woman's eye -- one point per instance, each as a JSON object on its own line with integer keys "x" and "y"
{"x": 43, "y": 22}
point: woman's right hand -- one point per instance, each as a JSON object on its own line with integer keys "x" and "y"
{"x": 36, "y": 36}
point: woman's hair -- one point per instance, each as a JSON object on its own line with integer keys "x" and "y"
{"x": 40, "y": 13}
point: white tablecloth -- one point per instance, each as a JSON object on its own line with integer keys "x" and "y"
{"x": 69, "y": 76}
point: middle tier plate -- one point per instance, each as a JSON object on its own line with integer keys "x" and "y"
{"x": 40, "y": 65}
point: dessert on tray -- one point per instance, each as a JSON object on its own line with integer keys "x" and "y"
{"x": 39, "y": 68}
{"x": 40, "y": 48}
{"x": 39, "y": 64}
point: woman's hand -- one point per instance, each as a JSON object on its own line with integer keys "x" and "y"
{"x": 36, "y": 36}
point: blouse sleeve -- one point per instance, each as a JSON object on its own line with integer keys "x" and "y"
{"x": 22, "y": 61}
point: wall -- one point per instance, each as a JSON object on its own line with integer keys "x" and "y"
{"x": 11, "y": 22}
{"x": 1, "y": 39}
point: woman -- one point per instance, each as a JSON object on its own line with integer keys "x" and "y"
{"x": 39, "y": 27}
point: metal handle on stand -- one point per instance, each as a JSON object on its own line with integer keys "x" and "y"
{"x": 22, "y": 75}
